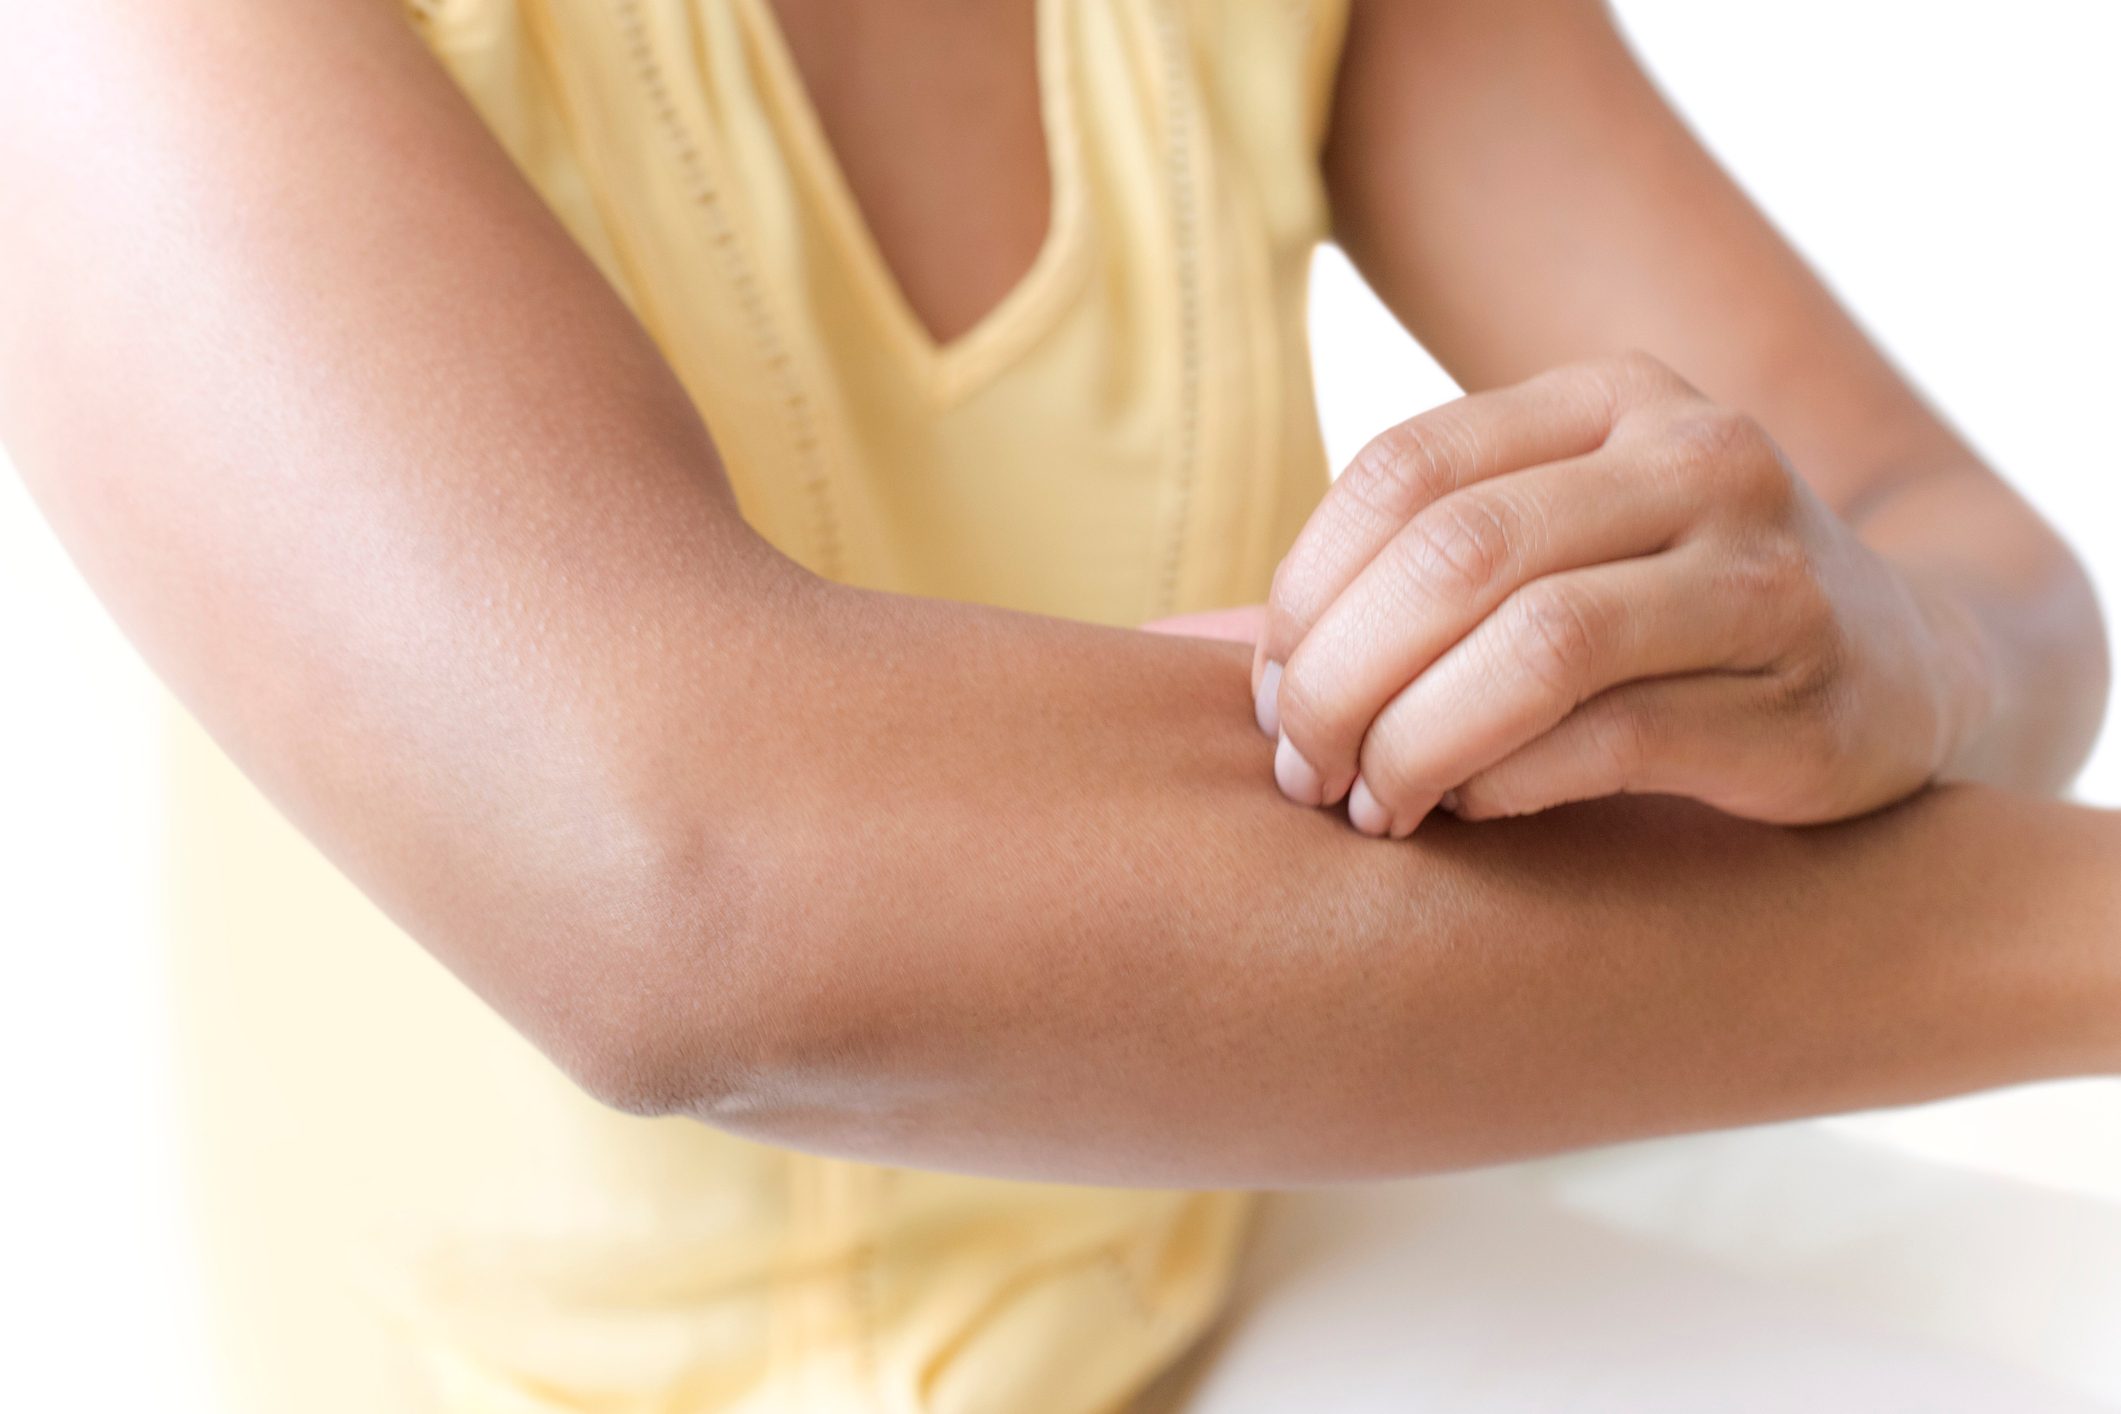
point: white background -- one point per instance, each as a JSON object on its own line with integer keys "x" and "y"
{"x": 1951, "y": 168}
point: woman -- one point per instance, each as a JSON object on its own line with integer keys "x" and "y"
{"x": 723, "y": 763}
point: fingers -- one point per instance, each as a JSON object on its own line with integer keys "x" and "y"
{"x": 1549, "y": 418}
{"x": 1553, "y": 645}
{"x": 1670, "y": 736}
{"x": 1451, "y": 566}
{"x": 1663, "y": 736}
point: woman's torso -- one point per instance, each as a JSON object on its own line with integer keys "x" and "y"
{"x": 1116, "y": 424}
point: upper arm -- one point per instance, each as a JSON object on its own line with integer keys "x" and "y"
{"x": 377, "y": 472}
{"x": 1516, "y": 189}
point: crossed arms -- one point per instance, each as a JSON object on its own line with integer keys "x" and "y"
{"x": 389, "y": 488}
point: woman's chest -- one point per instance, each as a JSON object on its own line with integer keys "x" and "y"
{"x": 914, "y": 384}
{"x": 930, "y": 111}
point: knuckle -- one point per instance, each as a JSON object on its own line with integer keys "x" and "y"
{"x": 1640, "y": 365}
{"x": 1394, "y": 772}
{"x": 1775, "y": 570}
{"x": 1764, "y": 484}
{"x": 1787, "y": 605}
{"x": 1635, "y": 373}
{"x": 1459, "y": 548}
{"x": 1734, "y": 454}
{"x": 1556, "y": 636}
{"x": 1405, "y": 466}
{"x": 1711, "y": 437}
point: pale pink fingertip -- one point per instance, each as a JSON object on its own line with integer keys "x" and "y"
{"x": 1298, "y": 778}
{"x": 1365, "y": 812}
{"x": 1266, "y": 699}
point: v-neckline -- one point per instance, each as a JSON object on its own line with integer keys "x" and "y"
{"x": 952, "y": 367}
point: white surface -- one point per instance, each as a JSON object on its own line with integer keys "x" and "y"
{"x": 1772, "y": 1270}
{"x": 1950, "y": 168}
{"x": 94, "y": 1270}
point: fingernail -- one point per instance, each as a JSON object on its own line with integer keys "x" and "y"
{"x": 1266, "y": 699}
{"x": 1364, "y": 811}
{"x": 1449, "y": 801}
{"x": 1297, "y": 777}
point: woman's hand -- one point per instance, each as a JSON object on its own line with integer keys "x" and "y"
{"x": 1593, "y": 582}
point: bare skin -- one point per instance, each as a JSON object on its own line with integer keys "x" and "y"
{"x": 868, "y": 874}
{"x": 931, "y": 108}
{"x": 1752, "y": 567}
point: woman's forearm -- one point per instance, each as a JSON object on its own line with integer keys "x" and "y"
{"x": 389, "y": 488}
{"x": 1056, "y": 921}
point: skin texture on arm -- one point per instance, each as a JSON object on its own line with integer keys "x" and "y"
{"x": 373, "y": 468}
{"x": 1518, "y": 193}
{"x": 1175, "y": 982}
{"x": 388, "y": 487}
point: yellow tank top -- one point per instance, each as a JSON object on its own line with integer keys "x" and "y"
{"x": 404, "y": 1205}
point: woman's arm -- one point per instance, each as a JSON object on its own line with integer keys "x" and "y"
{"x": 387, "y": 485}
{"x": 379, "y": 475}
{"x": 1515, "y": 189}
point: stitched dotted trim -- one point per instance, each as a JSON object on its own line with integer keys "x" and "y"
{"x": 773, "y": 351}
{"x": 1185, "y": 223}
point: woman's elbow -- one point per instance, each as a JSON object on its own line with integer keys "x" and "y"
{"x": 672, "y": 1009}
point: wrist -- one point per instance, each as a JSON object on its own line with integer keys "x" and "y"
{"x": 2093, "y": 923}
{"x": 1962, "y": 682}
